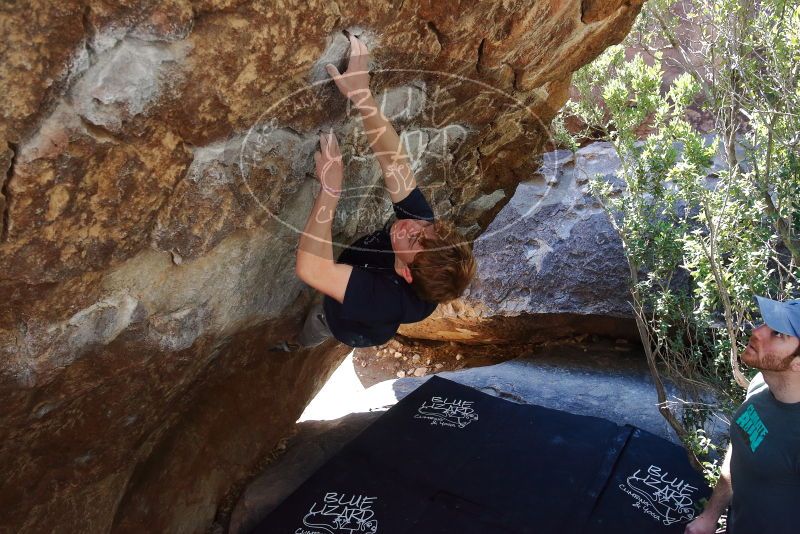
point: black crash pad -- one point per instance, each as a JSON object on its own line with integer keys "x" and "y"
{"x": 449, "y": 459}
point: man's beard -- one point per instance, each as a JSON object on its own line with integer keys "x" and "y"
{"x": 772, "y": 362}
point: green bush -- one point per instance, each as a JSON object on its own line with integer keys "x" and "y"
{"x": 701, "y": 239}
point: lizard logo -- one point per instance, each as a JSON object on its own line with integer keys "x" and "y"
{"x": 664, "y": 498}
{"x": 447, "y": 412}
{"x": 340, "y": 513}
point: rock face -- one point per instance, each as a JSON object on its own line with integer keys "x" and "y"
{"x": 550, "y": 263}
{"x": 155, "y": 159}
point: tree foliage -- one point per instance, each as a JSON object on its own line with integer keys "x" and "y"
{"x": 708, "y": 219}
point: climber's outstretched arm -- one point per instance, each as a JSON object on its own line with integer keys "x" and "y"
{"x": 385, "y": 143}
{"x": 315, "y": 265}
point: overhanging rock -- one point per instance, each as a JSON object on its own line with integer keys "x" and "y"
{"x": 146, "y": 269}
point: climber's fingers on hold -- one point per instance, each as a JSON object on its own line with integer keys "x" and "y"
{"x": 325, "y": 149}
{"x": 329, "y": 145}
{"x": 333, "y": 143}
{"x": 338, "y": 79}
{"x": 358, "y": 55}
{"x": 355, "y": 51}
{"x": 333, "y": 72}
{"x": 364, "y": 56}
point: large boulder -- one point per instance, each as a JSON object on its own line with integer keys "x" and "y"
{"x": 155, "y": 159}
{"x": 550, "y": 264}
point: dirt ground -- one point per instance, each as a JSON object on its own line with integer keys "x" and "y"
{"x": 402, "y": 357}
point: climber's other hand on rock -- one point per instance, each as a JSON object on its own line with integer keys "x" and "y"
{"x": 354, "y": 82}
{"x": 328, "y": 160}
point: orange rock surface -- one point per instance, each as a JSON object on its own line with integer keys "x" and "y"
{"x": 155, "y": 160}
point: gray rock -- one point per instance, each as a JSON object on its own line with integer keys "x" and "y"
{"x": 551, "y": 250}
{"x": 402, "y": 103}
{"x": 484, "y": 203}
{"x": 606, "y": 385}
{"x": 125, "y": 80}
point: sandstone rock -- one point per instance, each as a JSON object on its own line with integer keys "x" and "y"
{"x": 155, "y": 159}
{"x": 595, "y": 10}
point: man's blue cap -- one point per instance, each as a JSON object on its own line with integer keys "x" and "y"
{"x": 783, "y": 317}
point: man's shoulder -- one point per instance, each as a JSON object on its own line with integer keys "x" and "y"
{"x": 757, "y": 385}
{"x": 373, "y": 241}
{"x": 414, "y": 206}
{"x": 371, "y": 250}
{"x": 420, "y": 308}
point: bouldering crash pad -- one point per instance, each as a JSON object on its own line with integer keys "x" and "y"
{"x": 451, "y": 459}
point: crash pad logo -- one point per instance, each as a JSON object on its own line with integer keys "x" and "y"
{"x": 665, "y": 498}
{"x": 340, "y": 513}
{"x": 447, "y": 412}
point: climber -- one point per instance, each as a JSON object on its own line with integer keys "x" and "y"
{"x": 760, "y": 476}
{"x": 394, "y": 275}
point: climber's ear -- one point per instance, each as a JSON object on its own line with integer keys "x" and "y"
{"x": 405, "y": 272}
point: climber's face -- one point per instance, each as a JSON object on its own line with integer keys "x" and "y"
{"x": 406, "y": 237}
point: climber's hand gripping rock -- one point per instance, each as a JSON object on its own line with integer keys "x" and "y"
{"x": 354, "y": 82}
{"x": 328, "y": 163}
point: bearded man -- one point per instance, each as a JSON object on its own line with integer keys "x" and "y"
{"x": 760, "y": 476}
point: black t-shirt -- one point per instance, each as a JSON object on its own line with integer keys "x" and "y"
{"x": 377, "y": 300}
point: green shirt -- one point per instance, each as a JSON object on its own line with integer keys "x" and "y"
{"x": 765, "y": 464}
